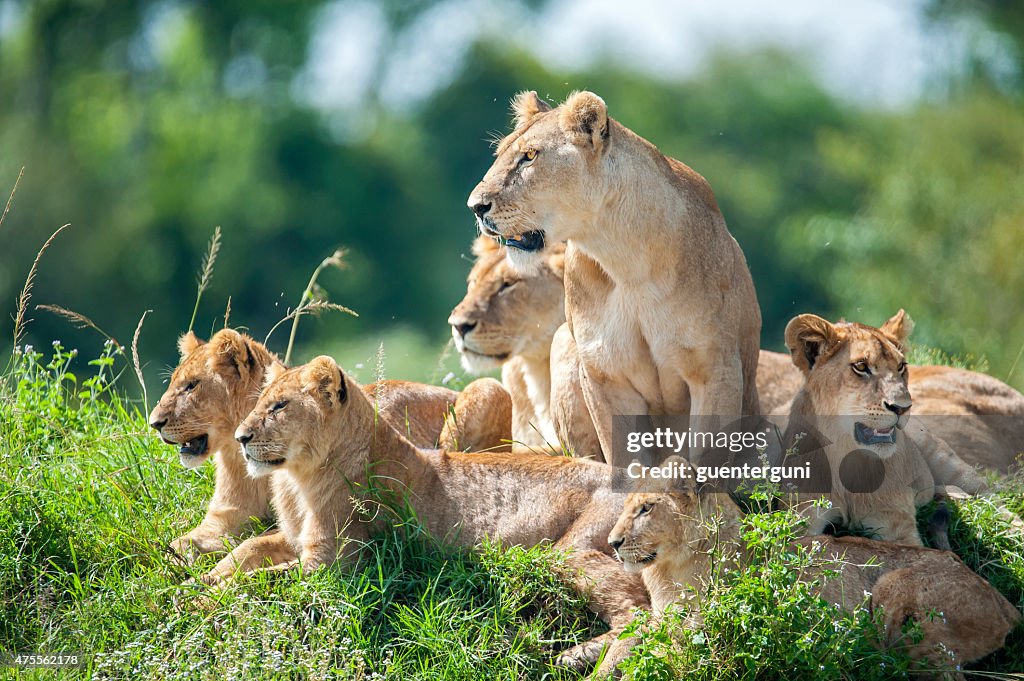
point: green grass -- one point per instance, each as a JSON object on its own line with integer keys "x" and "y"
{"x": 89, "y": 499}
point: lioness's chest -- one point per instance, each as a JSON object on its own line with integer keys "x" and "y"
{"x": 630, "y": 340}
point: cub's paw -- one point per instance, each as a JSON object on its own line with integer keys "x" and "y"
{"x": 582, "y": 657}
{"x": 197, "y": 595}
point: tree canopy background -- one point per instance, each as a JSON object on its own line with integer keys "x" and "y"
{"x": 145, "y": 125}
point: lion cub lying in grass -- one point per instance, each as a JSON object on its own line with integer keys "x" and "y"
{"x": 318, "y": 434}
{"x": 673, "y": 539}
{"x": 216, "y": 385}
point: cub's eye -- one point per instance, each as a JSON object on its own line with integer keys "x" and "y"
{"x": 902, "y": 368}
{"x": 506, "y": 285}
{"x": 278, "y": 406}
{"x": 645, "y": 509}
{"x": 861, "y": 368}
{"x": 191, "y": 385}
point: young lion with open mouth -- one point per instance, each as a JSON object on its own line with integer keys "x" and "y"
{"x": 672, "y": 538}
{"x": 850, "y": 421}
{"x": 216, "y": 385}
{"x": 316, "y": 431}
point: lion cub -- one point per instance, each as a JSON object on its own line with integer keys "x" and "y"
{"x": 216, "y": 385}
{"x": 850, "y": 423}
{"x": 671, "y": 537}
{"x": 316, "y": 431}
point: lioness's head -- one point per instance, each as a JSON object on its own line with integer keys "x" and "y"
{"x": 508, "y": 312}
{"x": 856, "y": 374}
{"x": 299, "y": 418}
{"x": 214, "y": 386}
{"x": 544, "y": 179}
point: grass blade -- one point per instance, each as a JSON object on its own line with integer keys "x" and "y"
{"x": 26, "y": 292}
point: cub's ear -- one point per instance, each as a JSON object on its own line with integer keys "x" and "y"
{"x": 483, "y": 245}
{"x": 325, "y": 377}
{"x": 808, "y": 338}
{"x": 187, "y": 343}
{"x": 273, "y": 372}
{"x": 231, "y": 352}
{"x": 584, "y": 118}
{"x": 526, "y": 105}
{"x": 899, "y": 326}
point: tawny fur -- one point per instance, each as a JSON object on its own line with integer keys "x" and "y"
{"x": 216, "y": 385}
{"x": 679, "y": 534}
{"x": 507, "y": 319}
{"x": 658, "y": 294}
{"x": 316, "y": 432}
{"x": 857, "y": 373}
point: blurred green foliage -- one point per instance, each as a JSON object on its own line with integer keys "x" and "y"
{"x": 147, "y": 139}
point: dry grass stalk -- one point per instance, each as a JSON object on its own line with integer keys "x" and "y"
{"x": 206, "y": 273}
{"x": 26, "y": 292}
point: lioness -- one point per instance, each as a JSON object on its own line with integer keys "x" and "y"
{"x": 658, "y": 294}
{"x": 316, "y": 431}
{"x": 669, "y": 537}
{"x": 507, "y": 319}
{"x": 855, "y": 404}
{"x": 216, "y": 385}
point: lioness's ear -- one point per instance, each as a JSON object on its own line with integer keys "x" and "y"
{"x": 808, "y": 337}
{"x": 482, "y": 245}
{"x": 187, "y": 343}
{"x": 899, "y": 326}
{"x": 324, "y": 376}
{"x": 231, "y": 351}
{"x": 584, "y": 118}
{"x": 526, "y": 105}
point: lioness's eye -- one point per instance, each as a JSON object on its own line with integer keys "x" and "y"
{"x": 530, "y": 154}
{"x": 861, "y": 368}
{"x": 278, "y": 406}
{"x": 191, "y": 385}
{"x": 645, "y": 509}
{"x": 902, "y": 368}
{"x": 505, "y": 285}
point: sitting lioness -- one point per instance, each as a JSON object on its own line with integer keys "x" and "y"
{"x": 216, "y": 385}
{"x": 316, "y": 431}
{"x": 872, "y": 467}
{"x": 674, "y": 538}
{"x": 659, "y": 298}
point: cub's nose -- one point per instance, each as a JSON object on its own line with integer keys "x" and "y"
{"x": 463, "y": 328}
{"x": 157, "y": 424}
{"x": 616, "y": 543}
{"x": 243, "y": 436}
{"x": 898, "y": 409}
{"x": 479, "y": 208}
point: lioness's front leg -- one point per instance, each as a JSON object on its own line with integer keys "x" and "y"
{"x": 270, "y": 549}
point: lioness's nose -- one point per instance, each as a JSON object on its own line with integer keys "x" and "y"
{"x": 243, "y": 436}
{"x": 616, "y": 542}
{"x": 478, "y": 207}
{"x": 463, "y": 328}
{"x": 898, "y": 409}
{"x": 158, "y": 424}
